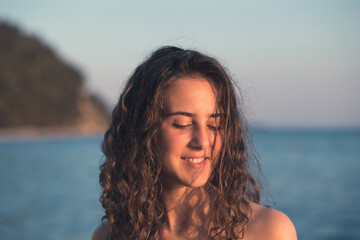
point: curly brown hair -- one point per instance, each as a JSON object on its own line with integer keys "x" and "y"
{"x": 130, "y": 175}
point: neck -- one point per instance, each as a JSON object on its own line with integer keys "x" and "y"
{"x": 185, "y": 209}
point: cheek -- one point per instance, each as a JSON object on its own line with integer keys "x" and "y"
{"x": 218, "y": 142}
{"x": 171, "y": 142}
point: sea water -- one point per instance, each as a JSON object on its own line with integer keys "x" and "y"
{"x": 314, "y": 177}
{"x": 49, "y": 188}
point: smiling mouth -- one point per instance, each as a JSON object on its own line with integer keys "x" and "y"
{"x": 194, "y": 160}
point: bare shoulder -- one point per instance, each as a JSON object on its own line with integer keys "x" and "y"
{"x": 102, "y": 231}
{"x": 267, "y": 223}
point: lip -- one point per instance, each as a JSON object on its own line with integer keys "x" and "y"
{"x": 195, "y": 161}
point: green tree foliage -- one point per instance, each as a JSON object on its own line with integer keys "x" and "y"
{"x": 36, "y": 87}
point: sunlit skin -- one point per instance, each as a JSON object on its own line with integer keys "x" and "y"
{"x": 190, "y": 139}
{"x": 190, "y": 135}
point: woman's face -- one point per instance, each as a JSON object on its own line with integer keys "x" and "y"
{"x": 190, "y": 138}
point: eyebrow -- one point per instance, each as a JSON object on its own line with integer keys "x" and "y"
{"x": 187, "y": 114}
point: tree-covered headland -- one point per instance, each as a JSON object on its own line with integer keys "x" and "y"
{"x": 39, "y": 89}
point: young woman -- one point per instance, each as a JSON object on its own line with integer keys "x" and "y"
{"x": 177, "y": 158}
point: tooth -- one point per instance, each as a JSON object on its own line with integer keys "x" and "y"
{"x": 194, "y": 160}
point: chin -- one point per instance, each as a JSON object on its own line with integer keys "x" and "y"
{"x": 197, "y": 182}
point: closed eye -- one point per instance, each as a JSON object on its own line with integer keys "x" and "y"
{"x": 179, "y": 126}
{"x": 213, "y": 128}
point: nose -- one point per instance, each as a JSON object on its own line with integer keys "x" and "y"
{"x": 201, "y": 137}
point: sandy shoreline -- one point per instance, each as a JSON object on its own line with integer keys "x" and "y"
{"x": 34, "y": 133}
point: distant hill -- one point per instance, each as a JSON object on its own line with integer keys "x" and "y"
{"x": 38, "y": 89}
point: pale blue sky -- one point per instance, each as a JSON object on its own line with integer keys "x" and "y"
{"x": 297, "y": 62}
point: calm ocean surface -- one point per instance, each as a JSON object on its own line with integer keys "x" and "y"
{"x": 49, "y": 188}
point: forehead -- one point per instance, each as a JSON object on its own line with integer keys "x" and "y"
{"x": 193, "y": 94}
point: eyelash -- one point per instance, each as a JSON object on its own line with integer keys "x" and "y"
{"x": 213, "y": 128}
{"x": 181, "y": 126}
